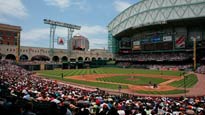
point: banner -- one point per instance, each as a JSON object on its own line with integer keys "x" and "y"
{"x": 136, "y": 48}
{"x": 125, "y": 44}
{"x": 155, "y": 39}
{"x": 180, "y": 41}
{"x": 60, "y": 41}
{"x": 167, "y": 38}
{"x": 197, "y": 35}
{"x": 136, "y": 45}
{"x": 198, "y": 38}
{"x": 125, "y": 51}
{"x": 145, "y": 41}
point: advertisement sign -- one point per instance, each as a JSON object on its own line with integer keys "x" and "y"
{"x": 144, "y": 41}
{"x": 125, "y": 44}
{"x": 193, "y": 35}
{"x": 155, "y": 39}
{"x": 60, "y": 41}
{"x": 136, "y": 48}
{"x": 136, "y": 43}
{"x": 198, "y": 38}
{"x": 125, "y": 51}
{"x": 167, "y": 38}
{"x": 180, "y": 41}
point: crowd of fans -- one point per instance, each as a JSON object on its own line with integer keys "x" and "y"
{"x": 155, "y": 57}
{"x": 155, "y": 66}
{"x": 201, "y": 69}
{"x": 24, "y": 93}
{"x": 36, "y": 62}
{"x": 169, "y": 67}
{"x": 124, "y": 64}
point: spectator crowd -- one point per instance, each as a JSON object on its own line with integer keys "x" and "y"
{"x": 25, "y": 93}
{"x": 201, "y": 69}
{"x": 155, "y": 57}
{"x": 155, "y": 66}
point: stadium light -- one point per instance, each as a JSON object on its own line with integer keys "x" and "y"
{"x": 62, "y": 24}
{"x": 53, "y": 24}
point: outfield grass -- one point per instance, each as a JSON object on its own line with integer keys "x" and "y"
{"x": 107, "y": 71}
{"x": 135, "y": 80}
{"x": 188, "y": 81}
{"x": 88, "y": 83}
{"x": 162, "y": 92}
{"x": 97, "y": 84}
{"x": 56, "y": 74}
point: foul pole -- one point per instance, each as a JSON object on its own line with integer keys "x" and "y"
{"x": 194, "y": 53}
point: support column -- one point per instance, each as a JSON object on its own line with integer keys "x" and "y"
{"x": 69, "y": 41}
{"x": 52, "y": 41}
{"x": 18, "y": 47}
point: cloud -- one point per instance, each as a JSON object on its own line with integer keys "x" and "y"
{"x": 97, "y": 36}
{"x": 82, "y": 5}
{"x": 92, "y": 30}
{"x": 12, "y": 8}
{"x": 98, "y": 43}
{"x": 3, "y": 19}
{"x": 62, "y": 4}
{"x": 120, "y": 5}
{"x": 39, "y": 37}
{"x": 35, "y": 37}
{"x": 34, "y": 34}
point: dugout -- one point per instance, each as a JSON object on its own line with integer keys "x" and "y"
{"x": 48, "y": 67}
{"x": 87, "y": 64}
{"x": 73, "y": 65}
{"x": 98, "y": 63}
{"x": 57, "y": 66}
{"x": 31, "y": 67}
{"x": 65, "y": 65}
{"x": 80, "y": 64}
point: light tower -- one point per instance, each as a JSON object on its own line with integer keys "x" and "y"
{"x": 53, "y": 25}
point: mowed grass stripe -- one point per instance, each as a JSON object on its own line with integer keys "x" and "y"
{"x": 136, "y": 80}
{"x": 189, "y": 81}
{"x": 97, "y": 84}
{"x": 110, "y": 71}
{"x": 88, "y": 83}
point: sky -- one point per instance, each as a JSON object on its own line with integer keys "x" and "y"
{"x": 92, "y": 15}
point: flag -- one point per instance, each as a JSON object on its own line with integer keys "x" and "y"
{"x": 180, "y": 41}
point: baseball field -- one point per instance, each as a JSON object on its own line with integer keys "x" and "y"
{"x": 139, "y": 81}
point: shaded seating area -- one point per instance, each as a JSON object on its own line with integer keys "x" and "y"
{"x": 40, "y": 58}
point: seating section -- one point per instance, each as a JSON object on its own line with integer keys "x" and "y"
{"x": 25, "y": 93}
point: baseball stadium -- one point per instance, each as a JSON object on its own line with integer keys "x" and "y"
{"x": 154, "y": 65}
